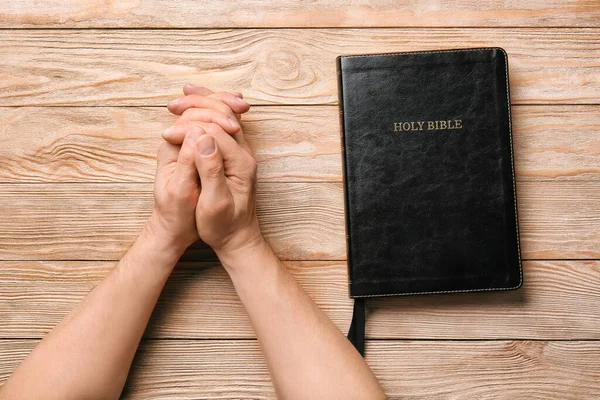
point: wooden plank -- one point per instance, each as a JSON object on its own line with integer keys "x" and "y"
{"x": 100, "y": 221}
{"x": 483, "y": 370}
{"x": 559, "y": 300}
{"x": 556, "y": 143}
{"x": 559, "y": 220}
{"x": 292, "y": 143}
{"x": 288, "y": 13}
{"x": 279, "y": 66}
{"x": 98, "y": 144}
{"x": 223, "y": 369}
{"x": 199, "y": 300}
{"x": 302, "y": 221}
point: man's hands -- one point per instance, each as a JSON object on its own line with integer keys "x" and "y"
{"x": 207, "y": 142}
{"x": 205, "y": 187}
{"x": 176, "y": 194}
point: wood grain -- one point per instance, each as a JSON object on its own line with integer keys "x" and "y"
{"x": 559, "y": 300}
{"x": 100, "y": 221}
{"x": 98, "y": 144}
{"x": 556, "y": 143}
{"x": 278, "y": 66}
{"x": 292, "y": 143}
{"x": 76, "y": 185}
{"x": 559, "y": 220}
{"x": 302, "y": 221}
{"x": 222, "y": 369}
{"x": 199, "y": 300}
{"x": 289, "y": 13}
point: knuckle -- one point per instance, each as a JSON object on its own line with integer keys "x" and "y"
{"x": 215, "y": 208}
{"x": 221, "y": 206}
{"x": 196, "y": 114}
{"x": 215, "y": 170}
{"x": 190, "y": 113}
{"x": 181, "y": 194}
{"x": 183, "y": 127}
{"x": 245, "y": 185}
{"x": 213, "y": 128}
{"x": 197, "y": 100}
{"x": 225, "y": 99}
{"x": 252, "y": 165}
{"x": 186, "y": 157}
{"x": 171, "y": 191}
{"x": 218, "y": 96}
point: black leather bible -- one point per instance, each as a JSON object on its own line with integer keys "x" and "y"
{"x": 429, "y": 183}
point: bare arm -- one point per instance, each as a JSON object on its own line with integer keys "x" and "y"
{"x": 88, "y": 355}
{"x": 307, "y": 356}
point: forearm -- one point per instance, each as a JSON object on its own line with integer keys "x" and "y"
{"x": 307, "y": 356}
{"x": 88, "y": 355}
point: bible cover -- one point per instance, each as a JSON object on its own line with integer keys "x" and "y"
{"x": 429, "y": 181}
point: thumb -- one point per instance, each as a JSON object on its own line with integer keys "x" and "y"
{"x": 209, "y": 163}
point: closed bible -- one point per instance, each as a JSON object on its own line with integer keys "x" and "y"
{"x": 429, "y": 181}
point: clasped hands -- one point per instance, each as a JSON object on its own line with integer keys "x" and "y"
{"x": 205, "y": 184}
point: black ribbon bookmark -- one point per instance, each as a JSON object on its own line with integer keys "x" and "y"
{"x": 356, "y": 332}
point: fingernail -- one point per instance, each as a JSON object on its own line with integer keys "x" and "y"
{"x": 207, "y": 146}
{"x": 174, "y": 102}
{"x": 233, "y": 122}
{"x": 168, "y": 131}
{"x": 192, "y": 85}
{"x": 241, "y": 101}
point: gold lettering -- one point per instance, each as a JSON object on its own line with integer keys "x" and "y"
{"x": 438, "y": 125}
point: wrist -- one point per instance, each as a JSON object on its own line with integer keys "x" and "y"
{"x": 159, "y": 242}
{"x": 149, "y": 261}
{"x": 255, "y": 272}
{"x": 246, "y": 259}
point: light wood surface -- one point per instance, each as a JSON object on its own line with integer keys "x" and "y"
{"x": 559, "y": 300}
{"x": 407, "y": 369}
{"x": 290, "y": 13}
{"x": 302, "y": 221}
{"x": 291, "y": 143}
{"x": 83, "y": 85}
{"x": 270, "y": 66}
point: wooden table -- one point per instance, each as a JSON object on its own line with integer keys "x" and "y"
{"x": 83, "y": 90}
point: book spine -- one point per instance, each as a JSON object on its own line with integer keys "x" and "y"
{"x": 512, "y": 162}
{"x": 340, "y": 87}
